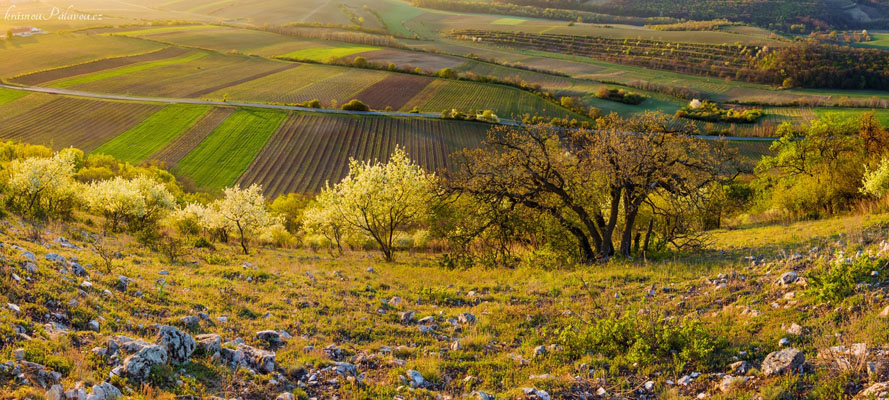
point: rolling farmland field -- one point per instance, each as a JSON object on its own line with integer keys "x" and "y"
{"x": 178, "y": 148}
{"x": 80, "y": 123}
{"x": 311, "y": 149}
{"x": 43, "y": 52}
{"x": 154, "y": 133}
{"x": 223, "y": 156}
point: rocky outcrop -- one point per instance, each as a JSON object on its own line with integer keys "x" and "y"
{"x": 138, "y": 366}
{"x": 783, "y": 362}
{"x": 178, "y": 345}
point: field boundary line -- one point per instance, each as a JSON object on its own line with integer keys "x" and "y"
{"x": 166, "y": 100}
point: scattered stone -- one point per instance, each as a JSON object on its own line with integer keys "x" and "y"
{"x": 467, "y": 319}
{"x": 94, "y": 325}
{"x": 685, "y": 380}
{"x": 407, "y": 317}
{"x": 885, "y": 313}
{"x": 788, "y": 278}
{"x": 179, "y": 345}
{"x": 876, "y": 391}
{"x": 782, "y": 362}
{"x": 54, "y": 258}
{"x": 482, "y": 395}
{"x": 739, "y": 368}
{"x": 415, "y": 378}
{"x": 426, "y": 320}
{"x": 259, "y": 360}
{"x": 138, "y": 366}
{"x": 19, "y": 354}
{"x": 14, "y": 308}
{"x": 795, "y": 330}
{"x": 601, "y": 392}
{"x": 28, "y": 255}
{"x": 539, "y": 351}
{"x": 346, "y": 369}
{"x": 272, "y": 338}
{"x": 728, "y": 382}
{"x": 784, "y": 342}
{"x": 371, "y": 270}
{"x": 56, "y": 392}
{"x": 191, "y": 320}
{"x": 395, "y": 301}
{"x": 208, "y": 344}
{"x": 456, "y": 346}
{"x": 105, "y": 391}
{"x": 285, "y": 396}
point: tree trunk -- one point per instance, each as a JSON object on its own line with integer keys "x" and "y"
{"x": 607, "y": 247}
{"x": 647, "y": 238}
{"x": 243, "y": 239}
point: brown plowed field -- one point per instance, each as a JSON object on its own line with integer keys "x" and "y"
{"x": 395, "y": 91}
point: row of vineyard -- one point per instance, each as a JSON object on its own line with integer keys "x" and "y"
{"x": 312, "y": 149}
{"x": 722, "y": 61}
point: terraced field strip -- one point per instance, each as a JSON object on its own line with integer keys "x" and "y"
{"x": 311, "y": 149}
{"x": 499, "y": 71}
{"x": 165, "y": 29}
{"x": 239, "y": 81}
{"x": 223, "y": 156}
{"x": 56, "y": 50}
{"x": 881, "y": 115}
{"x": 7, "y": 95}
{"x": 80, "y": 80}
{"x": 186, "y": 142}
{"x": 23, "y": 104}
{"x": 42, "y": 77}
{"x": 183, "y": 79}
{"x": 325, "y": 53}
{"x": 153, "y": 134}
{"x": 80, "y": 123}
{"x": 341, "y": 88}
{"x": 504, "y": 101}
{"x": 279, "y": 87}
{"x": 395, "y": 91}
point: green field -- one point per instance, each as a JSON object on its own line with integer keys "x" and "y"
{"x": 879, "y": 40}
{"x": 881, "y": 115}
{"x": 80, "y": 80}
{"x": 325, "y": 53}
{"x": 224, "y": 155}
{"x": 509, "y": 21}
{"x": 165, "y": 29}
{"x": 152, "y": 134}
{"x": 7, "y": 95}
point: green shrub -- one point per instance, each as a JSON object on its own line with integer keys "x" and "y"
{"x": 837, "y": 280}
{"x": 355, "y": 105}
{"x": 642, "y": 340}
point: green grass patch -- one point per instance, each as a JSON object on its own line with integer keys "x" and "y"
{"x": 153, "y": 134}
{"x": 509, "y": 21}
{"x": 224, "y": 155}
{"x": 8, "y": 95}
{"x": 166, "y": 29}
{"x": 881, "y": 115}
{"x": 325, "y": 53}
{"x": 397, "y": 14}
{"x": 127, "y": 70}
{"x": 879, "y": 40}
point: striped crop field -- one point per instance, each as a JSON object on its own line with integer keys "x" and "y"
{"x": 192, "y": 137}
{"x": 91, "y": 67}
{"x": 194, "y": 78}
{"x": 328, "y": 52}
{"x": 504, "y": 101}
{"x": 281, "y": 87}
{"x": 45, "y": 52}
{"x": 311, "y": 149}
{"x": 113, "y": 73}
{"x": 152, "y": 134}
{"x": 226, "y": 153}
{"x": 81, "y": 123}
{"x": 394, "y": 91}
{"x": 23, "y": 104}
{"x": 226, "y": 39}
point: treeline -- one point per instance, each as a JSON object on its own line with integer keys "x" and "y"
{"x": 537, "y": 12}
{"x": 811, "y": 65}
{"x": 778, "y": 14}
{"x": 357, "y": 37}
{"x": 694, "y": 25}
